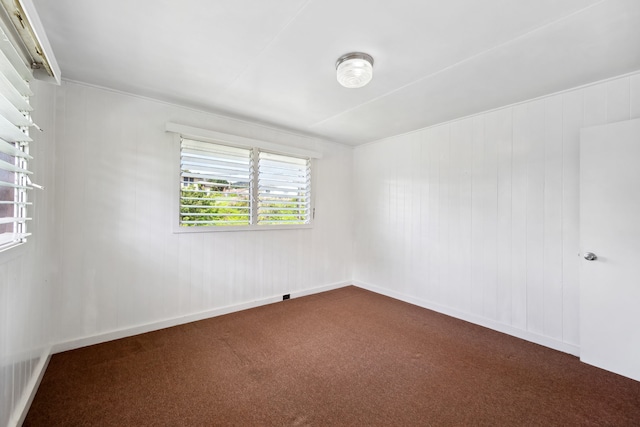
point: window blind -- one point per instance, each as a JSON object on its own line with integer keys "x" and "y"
{"x": 242, "y": 187}
{"x": 215, "y": 184}
{"x": 14, "y": 144}
{"x": 284, "y": 189}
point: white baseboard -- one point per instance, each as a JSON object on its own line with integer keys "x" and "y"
{"x": 167, "y": 323}
{"x": 478, "y": 320}
{"x": 22, "y": 407}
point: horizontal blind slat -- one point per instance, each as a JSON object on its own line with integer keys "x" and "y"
{"x": 282, "y": 204}
{"x": 9, "y": 184}
{"x": 278, "y": 223}
{"x": 13, "y": 95}
{"x": 293, "y": 195}
{"x": 4, "y": 202}
{"x": 9, "y": 220}
{"x": 265, "y": 183}
{"x": 281, "y": 160}
{"x": 240, "y": 190}
{"x": 214, "y": 198}
{"x": 12, "y": 150}
{"x": 217, "y": 170}
{"x": 215, "y": 207}
{"x": 10, "y": 133}
{"x": 222, "y": 177}
{"x": 299, "y": 177}
{"x": 239, "y": 193}
{"x": 207, "y": 155}
{"x": 216, "y": 214}
{"x": 7, "y": 238}
{"x": 13, "y": 76}
{"x": 267, "y": 209}
{"x": 214, "y": 163}
{"x": 283, "y": 215}
{"x": 13, "y": 168}
{"x": 224, "y": 222}
{"x": 12, "y": 114}
{"x": 239, "y": 187}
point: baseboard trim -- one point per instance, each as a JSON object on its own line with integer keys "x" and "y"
{"x": 487, "y": 323}
{"x": 167, "y": 323}
{"x": 22, "y": 408}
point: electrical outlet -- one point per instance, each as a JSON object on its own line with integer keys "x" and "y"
{"x": 286, "y": 297}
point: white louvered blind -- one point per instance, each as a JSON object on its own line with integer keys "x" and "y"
{"x": 215, "y": 187}
{"x": 241, "y": 187}
{"x": 284, "y": 189}
{"x": 14, "y": 144}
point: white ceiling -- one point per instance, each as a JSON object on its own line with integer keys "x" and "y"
{"x": 274, "y": 61}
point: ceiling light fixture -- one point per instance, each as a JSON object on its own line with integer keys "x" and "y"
{"x": 354, "y": 69}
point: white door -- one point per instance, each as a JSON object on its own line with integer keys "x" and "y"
{"x": 610, "y": 229}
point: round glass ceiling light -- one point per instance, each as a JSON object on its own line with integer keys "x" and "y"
{"x": 354, "y": 69}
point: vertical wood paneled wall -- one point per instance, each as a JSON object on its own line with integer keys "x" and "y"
{"x": 121, "y": 264}
{"x": 479, "y": 217}
{"x": 27, "y": 273}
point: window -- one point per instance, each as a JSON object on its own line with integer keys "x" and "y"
{"x": 216, "y": 185}
{"x": 227, "y": 186}
{"x": 283, "y": 189}
{"x": 14, "y": 146}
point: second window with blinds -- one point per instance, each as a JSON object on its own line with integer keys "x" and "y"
{"x": 224, "y": 187}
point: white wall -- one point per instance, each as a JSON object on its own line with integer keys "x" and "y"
{"x": 121, "y": 264}
{"x": 27, "y": 275}
{"x": 478, "y": 218}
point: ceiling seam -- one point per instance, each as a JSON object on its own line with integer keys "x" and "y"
{"x": 456, "y": 64}
{"x": 266, "y": 48}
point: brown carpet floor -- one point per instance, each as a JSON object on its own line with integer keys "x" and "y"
{"x": 344, "y": 357}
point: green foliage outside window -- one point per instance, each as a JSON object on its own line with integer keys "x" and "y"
{"x": 207, "y": 204}
{"x": 210, "y": 205}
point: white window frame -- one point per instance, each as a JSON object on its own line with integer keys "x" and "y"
{"x": 215, "y": 137}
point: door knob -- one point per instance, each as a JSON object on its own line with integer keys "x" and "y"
{"x": 590, "y": 256}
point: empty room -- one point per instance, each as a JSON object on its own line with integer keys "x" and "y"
{"x": 319, "y": 212}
